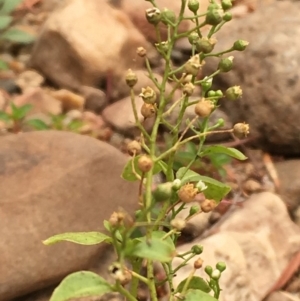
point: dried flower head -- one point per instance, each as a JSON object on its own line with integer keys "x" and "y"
{"x": 193, "y": 65}
{"x": 148, "y": 110}
{"x": 145, "y": 163}
{"x": 187, "y": 193}
{"x": 141, "y": 51}
{"x": 208, "y": 205}
{"x": 131, "y": 78}
{"x": 134, "y": 148}
{"x": 241, "y": 130}
{"x": 204, "y": 108}
{"x": 148, "y": 95}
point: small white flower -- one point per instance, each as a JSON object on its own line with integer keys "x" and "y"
{"x": 201, "y": 186}
{"x": 178, "y": 223}
{"x": 216, "y": 274}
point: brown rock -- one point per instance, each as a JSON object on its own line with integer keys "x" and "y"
{"x": 91, "y": 40}
{"x": 53, "y": 182}
{"x": 29, "y": 79}
{"x": 95, "y": 99}
{"x": 256, "y": 242}
{"x": 120, "y": 116}
{"x": 40, "y": 100}
{"x": 268, "y": 73}
{"x": 69, "y": 100}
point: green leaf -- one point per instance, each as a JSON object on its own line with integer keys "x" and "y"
{"x": 81, "y": 284}
{"x": 219, "y": 149}
{"x": 128, "y": 174}
{"x": 154, "y": 249}
{"x": 195, "y": 283}
{"x": 19, "y": 113}
{"x": 3, "y": 65}
{"x": 197, "y": 295}
{"x": 215, "y": 190}
{"x": 9, "y": 6}
{"x": 17, "y": 36}
{"x": 37, "y": 124}
{"x": 4, "y": 116}
{"x": 81, "y": 238}
{"x": 5, "y": 21}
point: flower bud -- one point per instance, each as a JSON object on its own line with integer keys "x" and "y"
{"x": 153, "y": 15}
{"x": 193, "y": 210}
{"x": 198, "y": 263}
{"x": 220, "y": 122}
{"x": 205, "y": 45}
{"x": 131, "y": 78}
{"x": 226, "y": 4}
{"x": 188, "y": 89}
{"x": 162, "y": 46}
{"x": 197, "y": 249}
{"x": 227, "y": 16}
{"x": 148, "y": 95}
{"x": 134, "y": 148}
{"x": 168, "y": 17}
{"x": 208, "y": 270}
{"x": 193, "y": 5}
{"x": 208, "y": 205}
{"x": 226, "y": 64}
{"x": 186, "y": 78}
{"x": 221, "y": 266}
{"x": 213, "y": 17}
{"x": 206, "y": 84}
{"x": 211, "y": 94}
{"x": 176, "y": 184}
{"x": 141, "y": 51}
{"x": 219, "y": 94}
{"x": 178, "y": 223}
{"x": 240, "y": 45}
{"x": 201, "y": 186}
{"x": 116, "y": 218}
{"x": 204, "y": 108}
{"x": 145, "y": 163}
{"x": 241, "y": 130}
{"x": 163, "y": 192}
{"x": 193, "y": 65}
{"x": 216, "y": 274}
{"x": 193, "y": 37}
{"x": 187, "y": 193}
{"x": 233, "y": 93}
{"x": 148, "y": 110}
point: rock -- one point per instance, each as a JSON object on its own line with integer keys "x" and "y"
{"x": 95, "y": 99}
{"x": 29, "y": 79}
{"x": 69, "y": 100}
{"x": 120, "y": 116}
{"x": 40, "y": 100}
{"x": 289, "y": 179}
{"x": 9, "y": 85}
{"x": 268, "y": 73}
{"x": 91, "y": 40}
{"x": 53, "y": 182}
{"x": 282, "y": 296}
{"x": 256, "y": 242}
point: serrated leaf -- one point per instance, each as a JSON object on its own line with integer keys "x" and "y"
{"x": 154, "y": 249}
{"x": 195, "y": 283}
{"x": 198, "y": 295}
{"x": 37, "y": 124}
{"x": 4, "y": 116}
{"x": 219, "y": 149}
{"x": 128, "y": 174}
{"x": 9, "y": 6}
{"x": 19, "y": 113}
{"x": 215, "y": 190}
{"x": 81, "y": 238}
{"x": 17, "y": 36}
{"x": 81, "y": 284}
{"x": 5, "y": 21}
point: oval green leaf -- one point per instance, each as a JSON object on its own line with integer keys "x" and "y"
{"x": 154, "y": 249}
{"x": 81, "y": 284}
{"x": 129, "y": 175}
{"x": 215, "y": 190}
{"x": 219, "y": 149}
{"x": 195, "y": 283}
{"x": 37, "y": 124}
{"x": 5, "y": 21}
{"x": 198, "y": 295}
{"x": 81, "y": 238}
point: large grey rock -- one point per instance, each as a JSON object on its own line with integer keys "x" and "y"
{"x": 53, "y": 182}
{"x": 268, "y": 72}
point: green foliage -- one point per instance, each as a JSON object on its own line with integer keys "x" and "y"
{"x": 7, "y": 32}
{"x": 154, "y": 231}
{"x": 79, "y": 285}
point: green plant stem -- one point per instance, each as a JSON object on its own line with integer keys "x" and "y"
{"x": 119, "y": 288}
{"x": 218, "y": 54}
{"x": 137, "y": 276}
{"x": 151, "y": 75}
{"x": 188, "y": 280}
